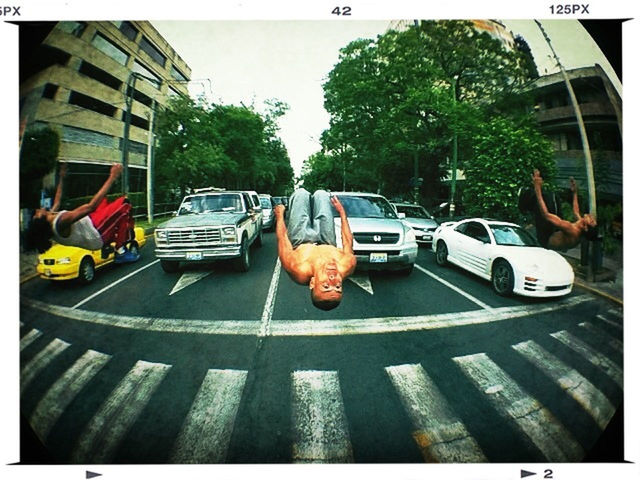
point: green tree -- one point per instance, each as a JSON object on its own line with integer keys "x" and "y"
{"x": 504, "y": 157}
{"x": 38, "y": 154}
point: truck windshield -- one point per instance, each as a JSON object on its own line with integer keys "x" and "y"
{"x": 220, "y": 202}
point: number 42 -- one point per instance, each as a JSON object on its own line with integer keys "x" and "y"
{"x": 344, "y": 11}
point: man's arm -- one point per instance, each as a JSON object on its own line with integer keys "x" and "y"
{"x": 285, "y": 250}
{"x": 575, "y": 203}
{"x": 548, "y": 216}
{"x": 58, "y": 197}
{"x": 67, "y": 218}
{"x": 345, "y": 230}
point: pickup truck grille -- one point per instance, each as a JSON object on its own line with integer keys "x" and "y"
{"x": 377, "y": 238}
{"x": 193, "y": 236}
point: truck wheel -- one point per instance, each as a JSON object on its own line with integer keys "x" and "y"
{"x": 258, "y": 240}
{"x": 243, "y": 262}
{"x": 169, "y": 266}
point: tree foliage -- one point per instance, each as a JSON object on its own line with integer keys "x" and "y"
{"x": 225, "y": 146}
{"x": 38, "y": 154}
{"x": 396, "y": 102}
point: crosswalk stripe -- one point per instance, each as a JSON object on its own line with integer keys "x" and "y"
{"x": 319, "y": 420}
{"x": 609, "y": 322}
{"x": 591, "y": 355}
{"x": 441, "y": 436}
{"x": 577, "y": 387}
{"x": 615, "y": 313}
{"x": 29, "y": 338}
{"x": 613, "y": 342}
{"x": 530, "y": 416}
{"x": 64, "y": 390}
{"x": 40, "y": 361}
{"x": 206, "y": 433}
{"x": 104, "y": 432}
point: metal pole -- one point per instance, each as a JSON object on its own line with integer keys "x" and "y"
{"x": 591, "y": 186}
{"x": 416, "y": 187}
{"x": 131, "y": 83}
{"x": 454, "y": 156}
{"x": 150, "y": 154}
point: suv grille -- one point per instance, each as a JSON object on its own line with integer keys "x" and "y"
{"x": 193, "y": 236}
{"x": 377, "y": 238}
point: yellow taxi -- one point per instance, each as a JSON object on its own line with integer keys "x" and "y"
{"x": 62, "y": 262}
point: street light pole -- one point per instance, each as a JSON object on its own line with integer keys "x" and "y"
{"x": 583, "y": 132}
{"x": 454, "y": 155}
{"x": 131, "y": 83}
{"x": 150, "y": 158}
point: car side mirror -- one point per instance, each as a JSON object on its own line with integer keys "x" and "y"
{"x": 402, "y": 215}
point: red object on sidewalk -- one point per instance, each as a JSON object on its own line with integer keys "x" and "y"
{"x": 113, "y": 221}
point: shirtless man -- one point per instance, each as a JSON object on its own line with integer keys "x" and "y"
{"x": 308, "y": 250}
{"x": 565, "y": 234}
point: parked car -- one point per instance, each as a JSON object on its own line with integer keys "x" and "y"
{"x": 268, "y": 217}
{"x": 62, "y": 262}
{"x": 417, "y": 217}
{"x": 504, "y": 253}
{"x": 211, "y": 225}
{"x": 281, "y": 201}
{"x": 381, "y": 240}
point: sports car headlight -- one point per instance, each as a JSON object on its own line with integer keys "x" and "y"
{"x": 63, "y": 261}
{"x": 409, "y": 236}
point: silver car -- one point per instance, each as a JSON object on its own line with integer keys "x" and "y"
{"x": 268, "y": 217}
{"x": 417, "y": 217}
{"x": 381, "y": 240}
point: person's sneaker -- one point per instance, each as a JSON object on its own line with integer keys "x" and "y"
{"x": 127, "y": 257}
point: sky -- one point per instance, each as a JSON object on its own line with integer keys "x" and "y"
{"x": 251, "y": 61}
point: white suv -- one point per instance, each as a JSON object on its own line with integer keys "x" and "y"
{"x": 211, "y": 224}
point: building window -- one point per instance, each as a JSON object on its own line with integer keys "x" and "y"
{"x": 178, "y": 75}
{"x": 87, "y": 137}
{"x": 90, "y": 103}
{"x": 135, "y": 147}
{"x": 127, "y": 29}
{"x": 49, "y": 91}
{"x": 109, "y": 48}
{"x": 152, "y": 51}
{"x": 73, "y": 28}
{"x": 174, "y": 93}
{"x": 100, "y": 75}
{"x": 153, "y": 79}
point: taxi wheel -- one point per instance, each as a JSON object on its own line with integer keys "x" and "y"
{"x": 87, "y": 270}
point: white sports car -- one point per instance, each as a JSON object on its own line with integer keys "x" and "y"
{"x": 505, "y": 254}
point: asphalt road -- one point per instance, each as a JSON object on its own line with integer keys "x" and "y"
{"x": 208, "y": 365}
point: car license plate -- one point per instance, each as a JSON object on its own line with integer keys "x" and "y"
{"x": 194, "y": 256}
{"x": 378, "y": 257}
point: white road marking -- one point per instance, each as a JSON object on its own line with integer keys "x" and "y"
{"x": 320, "y": 432}
{"x": 29, "y": 338}
{"x": 454, "y": 288}
{"x": 613, "y": 342}
{"x": 188, "y": 278}
{"x": 591, "y": 355}
{"x": 361, "y": 326}
{"x": 531, "y": 417}
{"x": 616, "y": 313}
{"x": 206, "y": 433}
{"x": 609, "y": 322}
{"x": 440, "y": 435}
{"x": 362, "y": 280}
{"x": 267, "y": 311}
{"x": 64, "y": 390}
{"x": 104, "y": 432}
{"x": 577, "y": 387}
{"x": 101, "y": 291}
{"x": 41, "y": 361}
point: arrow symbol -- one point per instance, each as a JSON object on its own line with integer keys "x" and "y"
{"x": 188, "y": 279}
{"x": 363, "y": 281}
{"x": 93, "y": 474}
{"x": 524, "y": 473}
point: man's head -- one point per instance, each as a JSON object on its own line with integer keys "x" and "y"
{"x": 589, "y": 226}
{"x": 326, "y": 286}
{"x": 38, "y": 234}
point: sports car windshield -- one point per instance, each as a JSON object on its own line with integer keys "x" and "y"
{"x": 221, "y": 202}
{"x": 513, "y": 236}
{"x": 365, "y": 207}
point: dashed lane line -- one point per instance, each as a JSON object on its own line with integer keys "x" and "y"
{"x": 286, "y": 328}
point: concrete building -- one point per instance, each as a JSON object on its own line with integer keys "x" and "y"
{"x": 601, "y": 108}
{"x": 77, "y": 77}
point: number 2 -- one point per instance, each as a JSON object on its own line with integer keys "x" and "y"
{"x": 548, "y": 473}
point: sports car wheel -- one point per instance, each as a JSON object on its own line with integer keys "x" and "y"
{"x": 87, "y": 270}
{"x": 441, "y": 253}
{"x": 502, "y": 278}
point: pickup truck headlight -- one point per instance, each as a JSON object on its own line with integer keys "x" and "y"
{"x": 229, "y": 234}
{"x": 161, "y": 235}
{"x": 63, "y": 261}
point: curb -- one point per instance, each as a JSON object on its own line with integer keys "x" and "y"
{"x": 606, "y": 295}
